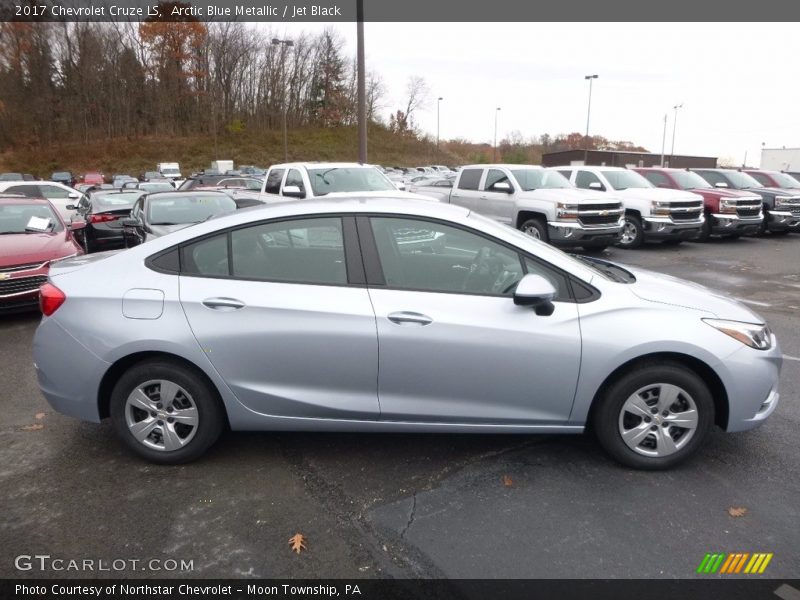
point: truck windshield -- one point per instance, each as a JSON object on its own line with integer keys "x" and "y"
{"x": 741, "y": 180}
{"x": 785, "y": 181}
{"x": 536, "y": 179}
{"x": 348, "y": 179}
{"x": 689, "y": 181}
{"x": 622, "y": 180}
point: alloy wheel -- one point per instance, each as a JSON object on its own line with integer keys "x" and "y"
{"x": 161, "y": 415}
{"x": 532, "y": 231}
{"x": 658, "y": 420}
{"x": 628, "y": 233}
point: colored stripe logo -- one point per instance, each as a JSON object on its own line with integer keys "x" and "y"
{"x": 735, "y": 563}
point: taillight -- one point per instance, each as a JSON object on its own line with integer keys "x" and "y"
{"x": 102, "y": 218}
{"x": 50, "y": 298}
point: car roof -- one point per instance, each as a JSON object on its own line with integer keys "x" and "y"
{"x": 192, "y": 192}
{"x": 502, "y": 165}
{"x": 19, "y": 199}
{"x": 317, "y": 165}
{"x": 591, "y": 168}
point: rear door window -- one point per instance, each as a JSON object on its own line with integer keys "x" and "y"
{"x": 470, "y": 178}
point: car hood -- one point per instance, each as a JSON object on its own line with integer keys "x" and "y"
{"x": 29, "y": 248}
{"x": 724, "y": 193}
{"x": 159, "y": 230}
{"x": 771, "y": 191}
{"x": 657, "y": 194}
{"x": 569, "y": 195}
{"x": 665, "y": 289}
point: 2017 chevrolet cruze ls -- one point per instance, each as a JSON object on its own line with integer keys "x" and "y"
{"x": 384, "y": 315}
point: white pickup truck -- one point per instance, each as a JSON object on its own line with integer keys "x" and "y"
{"x": 312, "y": 180}
{"x": 540, "y": 203}
{"x": 651, "y": 213}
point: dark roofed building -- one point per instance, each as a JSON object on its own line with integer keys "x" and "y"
{"x": 621, "y": 158}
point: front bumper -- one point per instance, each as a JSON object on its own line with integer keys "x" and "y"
{"x": 661, "y": 228}
{"x": 565, "y": 233}
{"x": 725, "y": 223}
{"x": 781, "y": 220}
{"x": 751, "y": 379}
{"x": 19, "y": 290}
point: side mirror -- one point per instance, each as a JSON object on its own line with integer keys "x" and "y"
{"x": 536, "y": 291}
{"x": 596, "y": 185}
{"x": 71, "y": 207}
{"x": 293, "y": 191}
{"x": 131, "y": 223}
{"x": 501, "y": 186}
{"x": 73, "y": 195}
{"x": 721, "y": 184}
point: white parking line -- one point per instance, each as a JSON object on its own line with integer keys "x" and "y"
{"x": 787, "y": 357}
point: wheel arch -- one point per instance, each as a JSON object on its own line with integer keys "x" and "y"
{"x": 715, "y": 385}
{"x": 118, "y": 368}
{"x": 526, "y": 214}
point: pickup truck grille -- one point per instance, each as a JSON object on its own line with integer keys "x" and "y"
{"x": 21, "y": 284}
{"x": 600, "y": 215}
{"x": 689, "y": 210}
{"x": 748, "y": 208}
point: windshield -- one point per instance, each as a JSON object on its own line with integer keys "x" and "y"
{"x": 623, "y": 180}
{"x": 170, "y": 171}
{"x": 156, "y": 187}
{"x": 688, "y": 180}
{"x": 785, "y": 181}
{"x": 742, "y": 180}
{"x": 348, "y": 179}
{"x": 183, "y": 210}
{"x": 115, "y": 199}
{"x": 535, "y": 179}
{"x": 14, "y": 218}
{"x": 61, "y": 175}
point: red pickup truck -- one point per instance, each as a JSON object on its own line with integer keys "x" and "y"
{"x": 728, "y": 212}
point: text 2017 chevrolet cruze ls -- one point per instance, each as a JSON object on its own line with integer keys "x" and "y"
{"x": 385, "y": 315}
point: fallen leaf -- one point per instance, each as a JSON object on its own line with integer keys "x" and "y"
{"x": 737, "y": 511}
{"x": 297, "y": 542}
{"x": 40, "y": 416}
{"x": 507, "y": 481}
{"x": 33, "y": 427}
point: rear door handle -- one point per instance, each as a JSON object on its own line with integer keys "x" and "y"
{"x": 409, "y": 318}
{"x": 223, "y": 303}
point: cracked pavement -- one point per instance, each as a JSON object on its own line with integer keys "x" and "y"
{"x": 424, "y": 505}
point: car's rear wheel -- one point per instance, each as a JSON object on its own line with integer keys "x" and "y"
{"x": 165, "y": 412}
{"x": 632, "y": 234}
{"x": 536, "y": 229}
{"x": 655, "y": 416}
{"x": 705, "y": 231}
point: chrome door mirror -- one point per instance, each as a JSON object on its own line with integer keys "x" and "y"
{"x": 596, "y": 185}
{"x": 721, "y": 184}
{"x": 501, "y": 186}
{"x": 293, "y": 191}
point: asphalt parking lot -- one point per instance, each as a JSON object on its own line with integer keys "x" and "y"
{"x": 414, "y": 505}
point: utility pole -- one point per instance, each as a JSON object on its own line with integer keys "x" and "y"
{"x": 674, "y": 127}
{"x": 362, "y": 92}
{"x": 588, "y": 114}
{"x": 494, "y": 154}
{"x": 438, "y": 102}
{"x": 286, "y": 44}
{"x": 663, "y": 140}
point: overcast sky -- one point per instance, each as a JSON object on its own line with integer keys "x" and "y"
{"x": 738, "y": 83}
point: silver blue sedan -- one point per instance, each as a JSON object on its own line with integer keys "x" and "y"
{"x": 365, "y": 314}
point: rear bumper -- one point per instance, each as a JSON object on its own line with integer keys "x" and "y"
{"x": 664, "y": 228}
{"x": 575, "y": 234}
{"x": 69, "y": 375}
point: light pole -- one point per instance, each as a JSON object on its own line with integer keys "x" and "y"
{"x": 285, "y": 44}
{"x": 674, "y": 127}
{"x": 362, "y": 90}
{"x": 438, "y": 102}
{"x": 663, "y": 140}
{"x": 588, "y": 114}
{"x": 494, "y": 154}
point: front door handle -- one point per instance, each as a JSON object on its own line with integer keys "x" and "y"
{"x": 409, "y": 318}
{"x": 223, "y": 303}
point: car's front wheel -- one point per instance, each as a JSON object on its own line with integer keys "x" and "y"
{"x": 166, "y": 412}
{"x": 535, "y": 228}
{"x": 632, "y": 234}
{"x": 655, "y": 416}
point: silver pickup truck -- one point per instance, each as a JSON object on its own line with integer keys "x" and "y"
{"x": 541, "y": 203}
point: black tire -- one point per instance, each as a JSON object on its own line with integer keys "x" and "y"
{"x": 535, "y": 225}
{"x": 705, "y": 231}
{"x": 606, "y": 414}
{"x": 781, "y": 232}
{"x": 210, "y": 413}
{"x": 762, "y": 227}
{"x": 633, "y": 222}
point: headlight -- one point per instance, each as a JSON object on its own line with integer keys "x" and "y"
{"x": 781, "y": 200}
{"x": 660, "y": 208}
{"x": 755, "y": 335}
{"x": 727, "y": 205}
{"x": 567, "y": 211}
